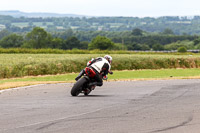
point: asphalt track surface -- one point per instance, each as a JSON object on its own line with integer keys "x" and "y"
{"x": 159, "y": 106}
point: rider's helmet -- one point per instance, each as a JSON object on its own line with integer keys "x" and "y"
{"x": 108, "y": 58}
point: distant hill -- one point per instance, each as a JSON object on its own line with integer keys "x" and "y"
{"x": 179, "y": 25}
{"x": 17, "y": 14}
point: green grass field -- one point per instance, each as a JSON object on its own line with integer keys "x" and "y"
{"x": 26, "y": 24}
{"x": 117, "y": 76}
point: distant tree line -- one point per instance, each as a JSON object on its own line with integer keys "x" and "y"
{"x": 180, "y": 25}
{"x": 136, "y": 39}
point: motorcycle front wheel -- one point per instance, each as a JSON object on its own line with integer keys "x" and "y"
{"x": 78, "y": 86}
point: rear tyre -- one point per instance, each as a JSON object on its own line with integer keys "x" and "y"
{"x": 78, "y": 86}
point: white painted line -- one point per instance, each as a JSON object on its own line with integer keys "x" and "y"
{"x": 17, "y": 88}
{"x": 25, "y": 87}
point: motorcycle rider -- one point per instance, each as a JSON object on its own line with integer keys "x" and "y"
{"x": 101, "y": 67}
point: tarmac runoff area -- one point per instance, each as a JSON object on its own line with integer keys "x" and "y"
{"x": 156, "y": 106}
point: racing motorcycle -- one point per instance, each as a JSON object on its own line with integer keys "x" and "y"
{"x": 83, "y": 84}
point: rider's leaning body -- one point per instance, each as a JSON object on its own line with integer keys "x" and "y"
{"x": 101, "y": 67}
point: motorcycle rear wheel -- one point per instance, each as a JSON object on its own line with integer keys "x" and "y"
{"x": 78, "y": 86}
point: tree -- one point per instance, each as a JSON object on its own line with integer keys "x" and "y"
{"x": 137, "y": 47}
{"x": 71, "y": 42}
{"x": 84, "y": 45}
{"x": 174, "y": 46}
{"x": 67, "y": 34}
{"x": 119, "y": 46}
{"x": 12, "y": 41}
{"x": 182, "y": 49}
{"x": 158, "y": 47}
{"x": 145, "y": 47}
{"x": 196, "y": 41}
{"x": 101, "y": 42}
{"x": 38, "y": 38}
{"x": 57, "y": 43}
{"x": 4, "y": 33}
{"x": 137, "y": 32}
{"x": 168, "y": 31}
{"x": 197, "y": 46}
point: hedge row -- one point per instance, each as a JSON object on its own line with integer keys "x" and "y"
{"x": 79, "y": 51}
{"x": 120, "y": 62}
{"x": 59, "y": 51}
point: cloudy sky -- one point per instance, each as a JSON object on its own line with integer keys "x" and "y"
{"x": 139, "y": 8}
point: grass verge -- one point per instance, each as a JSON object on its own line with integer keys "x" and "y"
{"x": 118, "y": 75}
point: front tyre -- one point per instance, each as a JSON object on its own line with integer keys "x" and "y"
{"x": 78, "y": 86}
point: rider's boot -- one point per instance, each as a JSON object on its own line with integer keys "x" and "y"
{"x": 80, "y": 75}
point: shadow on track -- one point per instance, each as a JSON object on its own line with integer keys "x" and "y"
{"x": 95, "y": 96}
